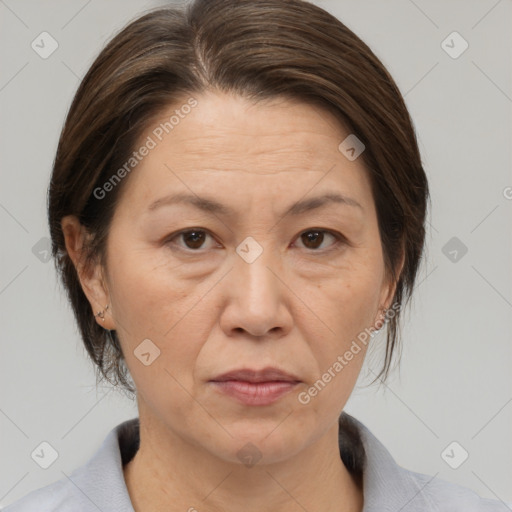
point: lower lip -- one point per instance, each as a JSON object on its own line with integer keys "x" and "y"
{"x": 255, "y": 393}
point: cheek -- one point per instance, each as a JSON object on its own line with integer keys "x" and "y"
{"x": 350, "y": 298}
{"x": 345, "y": 309}
{"x": 148, "y": 300}
{"x": 148, "y": 307}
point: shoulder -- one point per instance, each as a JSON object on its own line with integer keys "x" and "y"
{"x": 444, "y": 496}
{"x": 387, "y": 486}
{"x": 97, "y": 485}
{"x": 60, "y": 496}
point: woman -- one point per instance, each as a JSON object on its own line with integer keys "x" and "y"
{"x": 237, "y": 205}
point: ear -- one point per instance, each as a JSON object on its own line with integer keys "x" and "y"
{"x": 90, "y": 274}
{"x": 389, "y": 285}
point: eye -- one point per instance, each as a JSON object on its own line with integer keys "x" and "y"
{"x": 314, "y": 238}
{"x": 193, "y": 239}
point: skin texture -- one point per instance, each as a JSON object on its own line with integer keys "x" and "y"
{"x": 297, "y": 306}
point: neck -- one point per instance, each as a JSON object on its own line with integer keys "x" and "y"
{"x": 168, "y": 473}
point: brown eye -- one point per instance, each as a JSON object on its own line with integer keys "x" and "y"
{"x": 314, "y": 238}
{"x": 193, "y": 239}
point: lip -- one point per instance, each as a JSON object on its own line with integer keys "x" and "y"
{"x": 269, "y": 374}
{"x": 256, "y": 387}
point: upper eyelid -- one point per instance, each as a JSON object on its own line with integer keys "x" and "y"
{"x": 339, "y": 237}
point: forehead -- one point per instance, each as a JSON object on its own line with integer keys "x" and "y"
{"x": 278, "y": 148}
{"x": 271, "y": 126}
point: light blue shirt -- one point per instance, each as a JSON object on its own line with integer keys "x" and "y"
{"x": 99, "y": 485}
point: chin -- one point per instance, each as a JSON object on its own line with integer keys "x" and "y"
{"x": 258, "y": 442}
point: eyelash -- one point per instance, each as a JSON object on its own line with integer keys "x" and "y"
{"x": 339, "y": 239}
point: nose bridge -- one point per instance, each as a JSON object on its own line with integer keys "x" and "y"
{"x": 253, "y": 272}
{"x": 256, "y": 300}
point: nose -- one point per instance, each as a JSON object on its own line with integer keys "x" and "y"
{"x": 258, "y": 300}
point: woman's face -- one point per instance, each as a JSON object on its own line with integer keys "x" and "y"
{"x": 271, "y": 273}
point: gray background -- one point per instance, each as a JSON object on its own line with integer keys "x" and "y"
{"x": 454, "y": 383}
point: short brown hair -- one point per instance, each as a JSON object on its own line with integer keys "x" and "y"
{"x": 259, "y": 50}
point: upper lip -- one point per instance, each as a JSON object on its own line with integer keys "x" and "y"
{"x": 268, "y": 374}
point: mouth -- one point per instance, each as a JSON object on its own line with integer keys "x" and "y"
{"x": 256, "y": 376}
{"x": 256, "y": 387}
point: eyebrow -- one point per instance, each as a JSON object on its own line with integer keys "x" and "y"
{"x": 212, "y": 206}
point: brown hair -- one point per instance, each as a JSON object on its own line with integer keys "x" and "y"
{"x": 259, "y": 50}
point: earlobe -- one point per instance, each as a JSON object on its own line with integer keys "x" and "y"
{"x": 89, "y": 273}
{"x": 101, "y": 314}
{"x": 96, "y": 290}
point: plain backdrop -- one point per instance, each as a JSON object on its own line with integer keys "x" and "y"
{"x": 454, "y": 383}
